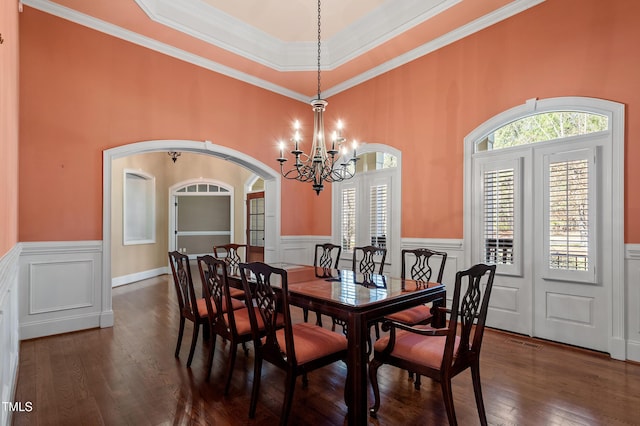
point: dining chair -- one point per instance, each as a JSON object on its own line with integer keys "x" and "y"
{"x": 296, "y": 348}
{"x": 326, "y": 256}
{"x": 192, "y": 308}
{"x": 228, "y": 317}
{"x": 420, "y": 270}
{"x": 233, "y": 255}
{"x": 442, "y": 353}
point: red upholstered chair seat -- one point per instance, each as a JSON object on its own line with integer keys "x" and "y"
{"x": 313, "y": 342}
{"x": 236, "y": 293}
{"x": 202, "y": 306}
{"x": 415, "y": 348}
{"x": 243, "y": 324}
{"x": 416, "y": 315}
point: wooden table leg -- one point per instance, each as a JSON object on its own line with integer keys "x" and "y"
{"x": 357, "y": 367}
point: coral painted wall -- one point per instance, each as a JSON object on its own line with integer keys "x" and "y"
{"x": 82, "y": 92}
{"x": 426, "y": 108}
{"x": 8, "y": 126}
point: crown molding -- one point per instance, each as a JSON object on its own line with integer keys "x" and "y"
{"x": 152, "y": 6}
{"x": 459, "y": 33}
{"x": 203, "y": 21}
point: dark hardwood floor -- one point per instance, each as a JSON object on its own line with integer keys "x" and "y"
{"x": 127, "y": 375}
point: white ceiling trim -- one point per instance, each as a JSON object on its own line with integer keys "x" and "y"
{"x": 459, "y": 33}
{"x": 130, "y": 36}
{"x": 505, "y": 12}
{"x": 205, "y": 22}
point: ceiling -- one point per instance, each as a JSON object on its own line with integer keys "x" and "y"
{"x": 273, "y": 43}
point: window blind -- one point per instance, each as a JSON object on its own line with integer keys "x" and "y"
{"x": 569, "y": 215}
{"x": 378, "y": 216}
{"x": 498, "y": 201}
{"x": 348, "y": 230}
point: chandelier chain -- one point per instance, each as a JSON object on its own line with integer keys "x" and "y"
{"x": 318, "y": 49}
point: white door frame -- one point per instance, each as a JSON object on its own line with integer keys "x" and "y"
{"x": 172, "y": 205}
{"x": 615, "y": 112}
{"x": 272, "y": 181}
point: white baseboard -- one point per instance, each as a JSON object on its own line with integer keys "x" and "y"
{"x": 59, "y": 325}
{"x": 138, "y": 276}
{"x": 633, "y": 351}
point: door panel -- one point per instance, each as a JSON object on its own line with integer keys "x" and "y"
{"x": 500, "y": 226}
{"x": 570, "y": 302}
{"x": 255, "y": 226}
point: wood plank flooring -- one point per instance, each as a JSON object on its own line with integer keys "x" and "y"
{"x": 127, "y": 375}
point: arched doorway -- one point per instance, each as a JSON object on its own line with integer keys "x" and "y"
{"x": 272, "y": 199}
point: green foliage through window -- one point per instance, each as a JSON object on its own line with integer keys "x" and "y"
{"x": 544, "y": 127}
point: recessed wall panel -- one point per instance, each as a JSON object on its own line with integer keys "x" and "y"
{"x": 60, "y": 285}
{"x": 570, "y": 308}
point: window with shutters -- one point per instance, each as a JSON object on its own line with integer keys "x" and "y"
{"x": 500, "y": 220}
{"x": 570, "y": 215}
{"x": 498, "y": 216}
{"x": 366, "y": 208}
{"x": 378, "y": 211}
{"x": 348, "y": 227}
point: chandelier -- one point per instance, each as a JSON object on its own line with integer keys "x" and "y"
{"x": 322, "y": 164}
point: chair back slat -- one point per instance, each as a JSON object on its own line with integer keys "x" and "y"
{"x": 364, "y": 261}
{"x": 231, "y": 254}
{"x": 215, "y": 284}
{"x": 257, "y": 280}
{"x": 422, "y": 268}
{"x": 329, "y": 255}
{"x": 183, "y": 282}
{"x": 470, "y": 311}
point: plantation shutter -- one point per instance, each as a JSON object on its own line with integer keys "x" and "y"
{"x": 570, "y": 214}
{"x": 348, "y": 229}
{"x": 498, "y": 212}
{"x": 378, "y": 229}
{"x": 498, "y": 224}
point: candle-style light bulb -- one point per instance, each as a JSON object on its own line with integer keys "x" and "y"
{"x": 281, "y": 149}
{"x": 355, "y": 145}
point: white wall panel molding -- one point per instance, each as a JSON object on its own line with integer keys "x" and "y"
{"x": 299, "y": 248}
{"x": 632, "y": 285}
{"x": 59, "y": 287}
{"x": 9, "y": 343}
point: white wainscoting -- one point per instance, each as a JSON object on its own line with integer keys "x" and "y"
{"x": 632, "y": 307}
{"x": 9, "y": 342}
{"x": 60, "y": 287}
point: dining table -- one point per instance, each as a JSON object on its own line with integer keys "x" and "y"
{"x": 356, "y": 301}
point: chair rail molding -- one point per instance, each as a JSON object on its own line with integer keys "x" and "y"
{"x": 60, "y": 287}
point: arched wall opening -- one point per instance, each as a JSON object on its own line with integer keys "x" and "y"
{"x": 272, "y": 199}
